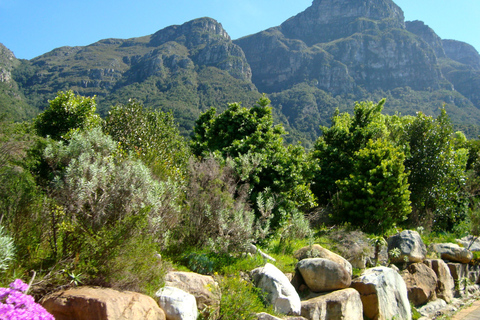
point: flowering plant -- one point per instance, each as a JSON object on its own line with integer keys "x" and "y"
{"x": 15, "y": 305}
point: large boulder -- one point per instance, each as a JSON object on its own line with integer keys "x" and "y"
{"x": 472, "y": 243}
{"x": 430, "y": 309}
{"x": 341, "y": 304}
{"x": 383, "y": 293}
{"x": 322, "y": 275}
{"x": 411, "y": 246}
{"x": 445, "y": 282}
{"x": 317, "y": 251}
{"x": 86, "y": 303}
{"x": 452, "y": 252}
{"x": 177, "y": 304}
{"x": 203, "y": 288}
{"x": 280, "y": 292}
{"x": 421, "y": 283}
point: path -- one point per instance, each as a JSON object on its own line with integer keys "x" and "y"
{"x": 470, "y": 313}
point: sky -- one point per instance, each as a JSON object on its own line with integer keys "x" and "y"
{"x": 33, "y": 27}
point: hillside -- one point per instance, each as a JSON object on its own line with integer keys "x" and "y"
{"x": 329, "y": 56}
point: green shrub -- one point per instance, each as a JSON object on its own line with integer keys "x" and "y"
{"x": 7, "y": 249}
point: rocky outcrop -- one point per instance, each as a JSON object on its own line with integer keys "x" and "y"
{"x": 410, "y": 246}
{"x": 421, "y": 282}
{"x": 383, "y": 293}
{"x": 445, "y": 283}
{"x": 203, "y": 288}
{"x": 341, "y": 304}
{"x": 428, "y": 35}
{"x": 279, "y": 292}
{"x": 177, "y": 304}
{"x": 317, "y": 251}
{"x": 87, "y": 303}
{"x": 452, "y": 252}
{"x": 462, "y": 52}
{"x": 321, "y": 275}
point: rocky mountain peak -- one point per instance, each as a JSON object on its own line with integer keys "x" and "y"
{"x": 462, "y": 52}
{"x": 428, "y": 35}
{"x": 192, "y": 33}
{"x": 7, "y": 63}
{"x": 327, "y": 20}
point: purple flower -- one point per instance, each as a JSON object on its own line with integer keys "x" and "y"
{"x": 14, "y": 305}
{"x": 19, "y": 285}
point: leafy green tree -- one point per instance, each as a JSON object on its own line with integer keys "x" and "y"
{"x": 248, "y": 136}
{"x": 335, "y": 150}
{"x": 375, "y": 195}
{"x": 152, "y": 135}
{"x": 65, "y": 113}
{"x": 437, "y": 171}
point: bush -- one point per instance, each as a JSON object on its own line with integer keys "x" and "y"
{"x": 7, "y": 250}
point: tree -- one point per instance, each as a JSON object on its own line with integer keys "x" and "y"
{"x": 375, "y": 195}
{"x": 151, "y": 135}
{"x": 249, "y": 137}
{"x": 437, "y": 171}
{"x": 65, "y": 113}
{"x": 335, "y": 149}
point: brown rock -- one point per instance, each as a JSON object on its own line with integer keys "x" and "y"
{"x": 445, "y": 284}
{"x": 317, "y": 251}
{"x": 453, "y": 252}
{"x": 421, "y": 283}
{"x": 86, "y": 303}
{"x": 341, "y": 304}
{"x": 322, "y": 275}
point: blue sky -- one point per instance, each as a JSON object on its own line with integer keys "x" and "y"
{"x": 33, "y": 27}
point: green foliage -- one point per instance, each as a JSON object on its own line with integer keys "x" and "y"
{"x": 375, "y": 195}
{"x": 240, "y": 299}
{"x": 216, "y": 214}
{"x": 152, "y": 135}
{"x": 65, "y": 113}
{"x": 7, "y": 249}
{"x": 256, "y": 146}
{"x": 437, "y": 171}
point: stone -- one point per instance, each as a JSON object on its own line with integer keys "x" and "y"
{"x": 266, "y": 316}
{"x": 341, "y": 304}
{"x": 383, "y": 293}
{"x": 252, "y": 249}
{"x": 431, "y": 308}
{"x": 458, "y": 270}
{"x": 177, "y": 304}
{"x": 280, "y": 292}
{"x": 445, "y": 283}
{"x": 86, "y": 303}
{"x": 203, "y": 288}
{"x": 411, "y": 246}
{"x": 322, "y": 275}
{"x": 317, "y": 251}
{"x": 470, "y": 242}
{"x": 452, "y": 252}
{"x": 421, "y": 283}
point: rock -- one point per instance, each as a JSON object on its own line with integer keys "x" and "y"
{"x": 452, "y": 252}
{"x": 86, "y": 303}
{"x": 431, "y": 308}
{"x": 280, "y": 292}
{"x": 411, "y": 246}
{"x": 317, "y": 251}
{"x": 177, "y": 304}
{"x": 470, "y": 242}
{"x": 203, "y": 288}
{"x": 445, "y": 284}
{"x": 421, "y": 283}
{"x": 383, "y": 293}
{"x": 322, "y": 275}
{"x": 341, "y": 304}
{"x": 458, "y": 270}
{"x": 266, "y": 316}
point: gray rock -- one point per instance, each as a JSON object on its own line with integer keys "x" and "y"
{"x": 317, "y": 251}
{"x": 322, "y": 275}
{"x": 383, "y": 293}
{"x": 421, "y": 283}
{"x": 280, "y": 292}
{"x": 410, "y": 244}
{"x": 341, "y": 304}
{"x": 452, "y": 252}
{"x": 470, "y": 242}
{"x": 177, "y": 304}
{"x": 431, "y": 308}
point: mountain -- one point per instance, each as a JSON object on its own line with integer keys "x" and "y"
{"x": 184, "y": 69}
{"x": 13, "y": 104}
{"x": 332, "y": 54}
{"x": 337, "y": 52}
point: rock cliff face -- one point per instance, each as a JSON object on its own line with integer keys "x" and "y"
{"x": 428, "y": 35}
{"x": 342, "y": 45}
{"x": 462, "y": 52}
